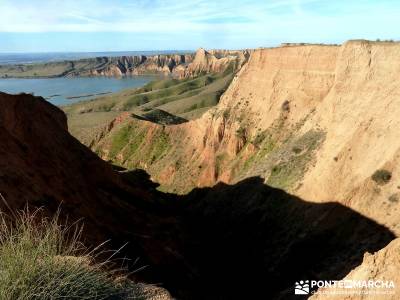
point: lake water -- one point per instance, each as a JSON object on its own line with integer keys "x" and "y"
{"x": 61, "y": 91}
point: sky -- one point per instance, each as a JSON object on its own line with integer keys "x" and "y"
{"x": 128, "y": 25}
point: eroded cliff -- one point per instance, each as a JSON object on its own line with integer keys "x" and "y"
{"x": 200, "y": 245}
{"x": 271, "y": 126}
{"x": 315, "y": 120}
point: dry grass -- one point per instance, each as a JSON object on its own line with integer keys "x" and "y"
{"x": 41, "y": 259}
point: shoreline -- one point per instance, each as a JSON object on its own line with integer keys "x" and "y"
{"x": 160, "y": 75}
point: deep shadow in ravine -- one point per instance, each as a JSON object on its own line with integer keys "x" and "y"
{"x": 252, "y": 241}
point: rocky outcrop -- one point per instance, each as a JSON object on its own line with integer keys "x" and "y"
{"x": 214, "y": 61}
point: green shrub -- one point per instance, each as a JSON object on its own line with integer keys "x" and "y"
{"x": 241, "y": 133}
{"x": 226, "y": 114}
{"x": 259, "y": 138}
{"x": 394, "y": 198}
{"x": 297, "y": 149}
{"x": 40, "y": 259}
{"x": 381, "y": 177}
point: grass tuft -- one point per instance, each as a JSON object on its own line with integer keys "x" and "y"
{"x": 41, "y": 259}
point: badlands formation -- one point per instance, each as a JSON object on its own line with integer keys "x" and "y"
{"x": 315, "y": 120}
{"x": 319, "y": 121}
{"x": 292, "y": 175}
{"x": 198, "y": 246}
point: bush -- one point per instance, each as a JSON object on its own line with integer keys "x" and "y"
{"x": 40, "y": 259}
{"x": 394, "y": 198}
{"x": 226, "y": 114}
{"x": 260, "y": 137}
{"x": 297, "y": 150}
{"x": 241, "y": 133}
{"x": 285, "y": 106}
{"x": 381, "y": 177}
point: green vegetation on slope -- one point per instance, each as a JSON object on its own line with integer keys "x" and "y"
{"x": 292, "y": 168}
{"x": 158, "y": 101}
{"x": 170, "y": 92}
{"x": 201, "y": 91}
{"x": 40, "y": 259}
{"x": 282, "y": 155}
{"x": 128, "y": 146}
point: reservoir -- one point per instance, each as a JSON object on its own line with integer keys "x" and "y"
{"x": 63, "y": 91}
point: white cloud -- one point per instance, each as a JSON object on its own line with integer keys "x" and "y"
{"x": 229, "y": 20}
{"x": 131, "y": 16}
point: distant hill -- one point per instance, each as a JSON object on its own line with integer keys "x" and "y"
{"x": 175, "y": 63}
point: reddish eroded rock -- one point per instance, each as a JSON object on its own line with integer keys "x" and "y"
{"x": 42, "y": 165}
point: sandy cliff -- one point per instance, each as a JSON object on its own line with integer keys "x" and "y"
{"x": 318, "y": 121}
{"x": 315, "y": 120}
{"x": 349, "y": 93}
{"x": 360, "y": 116}
{"x": 216, "y": 144}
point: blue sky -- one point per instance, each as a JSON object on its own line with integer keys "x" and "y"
{"x": 122, "y": 25}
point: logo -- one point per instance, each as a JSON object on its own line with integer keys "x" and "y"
{"x": 302, "y": 287}
{"x": 344, "y": 287}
